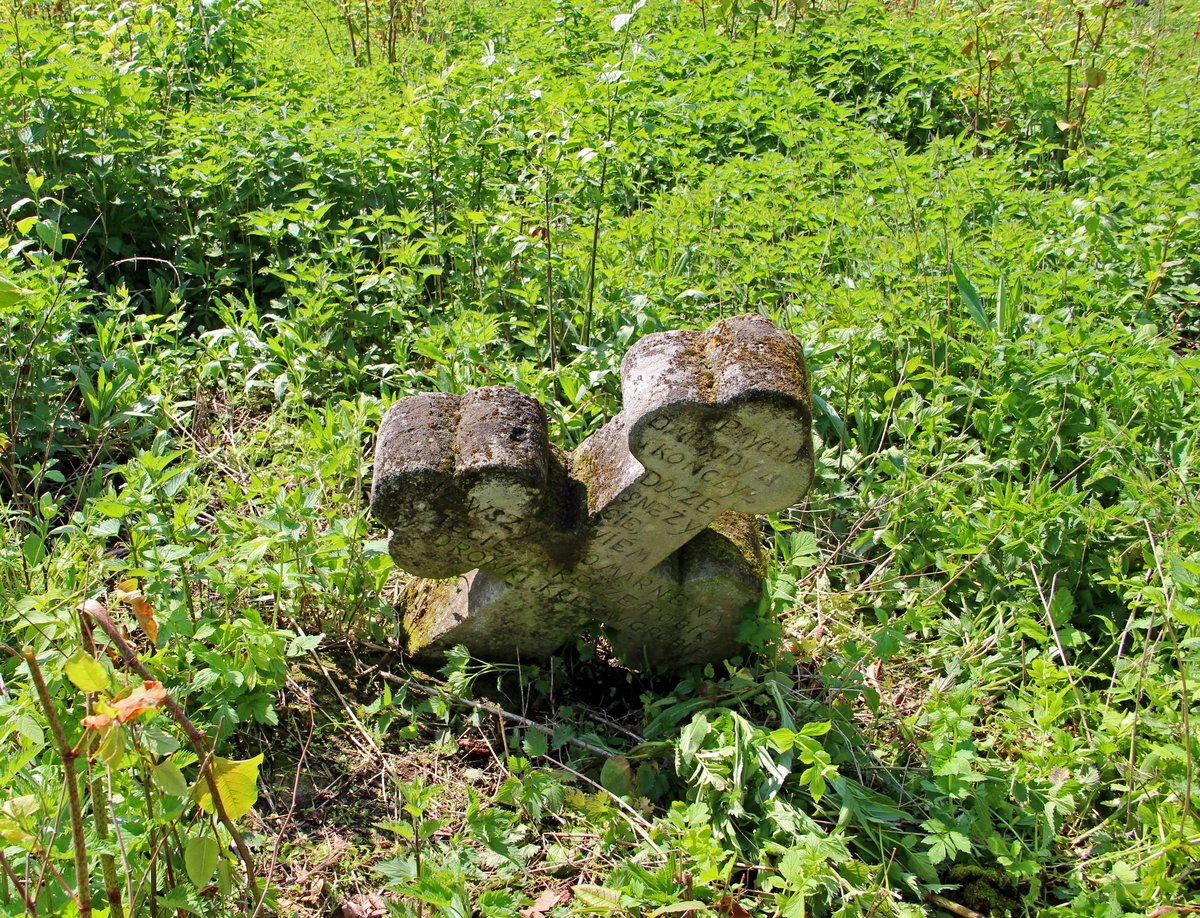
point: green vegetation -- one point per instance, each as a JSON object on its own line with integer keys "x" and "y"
{"x": 232, "y": 232}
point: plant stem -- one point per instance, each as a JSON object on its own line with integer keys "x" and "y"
{"x": 198, "y": 741}
{"x": 608, "y": 127}
{"x": 587, "y": 318}
{"x": 108, "y": 862}
{"x": 83, "y": 892}
{"x": 7, "y": 873}
{"x": 550, "y": 279}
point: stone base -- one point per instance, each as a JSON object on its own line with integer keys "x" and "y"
{"x": 685, "y": 610}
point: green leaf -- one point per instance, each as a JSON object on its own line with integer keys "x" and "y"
{"x": 200, "y": 857}
{"x": 159, "y": 741}
{"x": 597, "y": 897}
{"x": 691, "y": 737}
{"x": 50, "y": 234}
{"x": 170, "y": 779}
{"x": 112, "y": 748}
{"x": 617, "y": 777}
{"x": 224, "y": 877}
{"x": 237, "y": 783}
{"x": 534, "y": 743}
{"x": 622, "y": 19}
{"x": 34, "y": 549}
{"x": 10, "y": 293}
{"x": 970, "y": 297}
{"x": 29, "y": 728}
{"x": 816, "y": 728}
{"x": 1008, "y": 300}
{"x": 688, "y": 905}
{"x": 86, "y": 673}
{"x": 303, "y": 643}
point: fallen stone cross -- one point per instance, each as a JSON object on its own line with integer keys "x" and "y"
{"x": 646, "y": 527}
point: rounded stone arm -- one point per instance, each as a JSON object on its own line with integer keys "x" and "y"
{"x": 460, "y": 480}
{"x": 725, "y": 412}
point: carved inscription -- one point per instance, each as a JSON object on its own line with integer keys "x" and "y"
{"x": 644, "y": 528}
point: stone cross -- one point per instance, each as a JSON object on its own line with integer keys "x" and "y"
{"x": 645, "y": 528}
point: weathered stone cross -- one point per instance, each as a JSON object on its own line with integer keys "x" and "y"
{"x": 645, "y": 527}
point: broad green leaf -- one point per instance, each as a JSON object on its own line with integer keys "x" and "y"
{"x": 200, "y": 857}
{"x": 692, "y": 736}
{"x": 28, "y": 727}
{"x": 159, "y": 741}
{"x": 535, "y": 743}
{"x": 86, "y": 673}
{"x": 597, "y": 897}
{"x": 12, "y": 834}
{"x": 622, "y": 19}
{"x": 303, "y": 643}
{"x": 50, "y": 234}
{"x": 113, "y": 509}
{"x": 617, "y": 776}
{"x": 970, "y": 297}
{"x": 112, "y": 747}
{"x": 224, "y": 877}
{"x": 34, "y": 549}
{"x": 237, "y": 783}
{"x": 10, "y": 293}
{"x": 170, "y": 779}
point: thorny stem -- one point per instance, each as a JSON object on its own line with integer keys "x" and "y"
{"x": 83, "y": 892}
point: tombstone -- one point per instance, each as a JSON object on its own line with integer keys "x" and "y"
{"x": 647, "y": 527}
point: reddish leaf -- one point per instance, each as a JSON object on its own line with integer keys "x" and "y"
{"x": 150, "y": 695}
{"x": 97, "y": 721}
{"x": 730, "y": 908}
{"x": 128, "y": 593}
{"x": 545, "y": 902}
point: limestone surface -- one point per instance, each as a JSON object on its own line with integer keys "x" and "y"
{"x": 646, "y": 527}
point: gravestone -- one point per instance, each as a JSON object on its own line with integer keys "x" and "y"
{"x": 647, "y": 527}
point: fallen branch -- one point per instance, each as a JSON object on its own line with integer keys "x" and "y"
{"x": 439, "y": 692}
